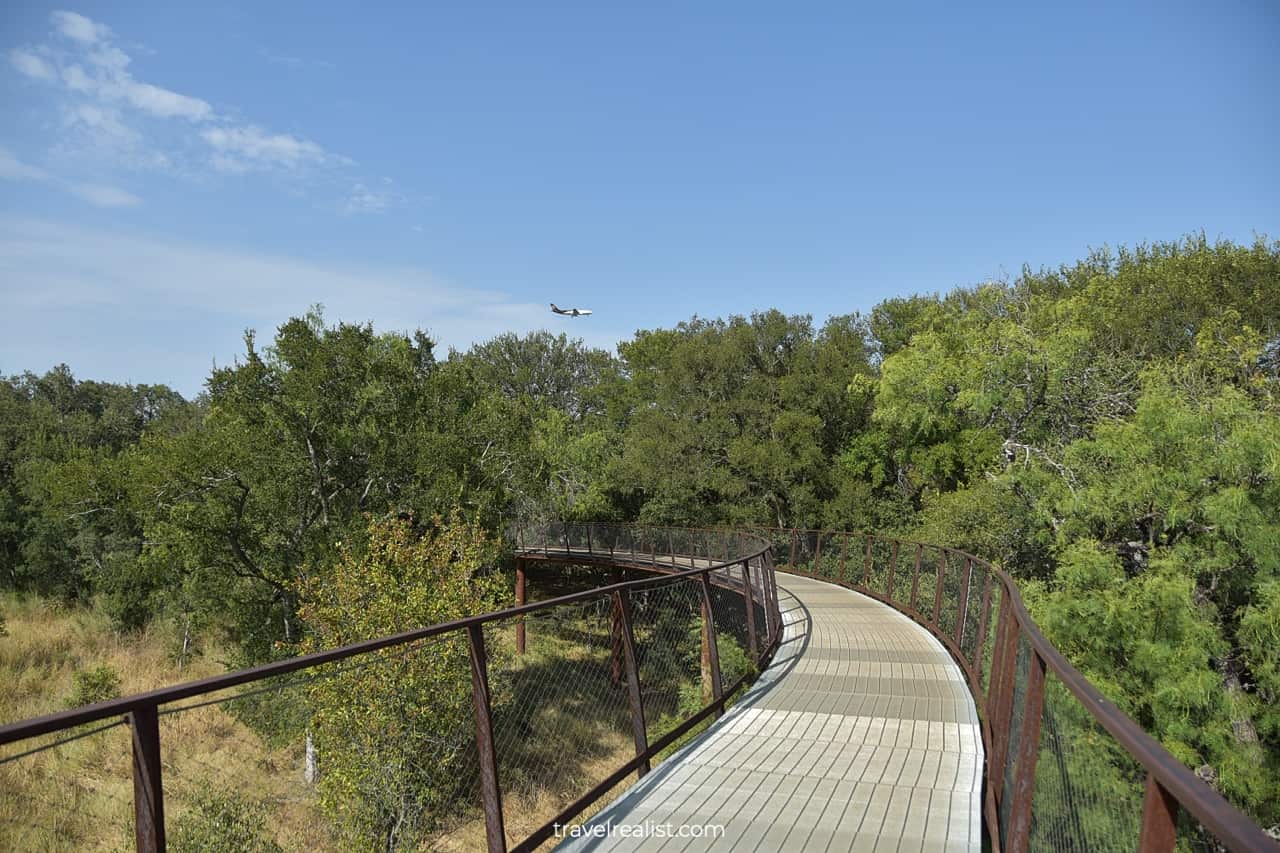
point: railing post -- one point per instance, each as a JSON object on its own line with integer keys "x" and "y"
{"x": 773, "y": 584}
{"x": 937, "y": 594}
{"x": 710, "y": 649}
{"x": 844, "y": 549}
{"x": 148, "y": 791}
{"x": 638, "y": 729}
{"x": 915, "y": 577}
{"x": 565, "y": 526}
{"x": 1024, "y": 782}
{"x": 962, "y": 609}
{"x": 1159, "y": 819}
{"x": 671, "y": 546}
{"x": 866, "y": 564}
{"x": 590, "y": 550}
{"x": 753, "y": 649}
{"x": 893, "y": 563}
{"x": 520, "y": 599}
{"x": 795, "y": 538}
{"x": 617, "y": 653}
{"x": 817, "y": 554}
{"x": 490, "y": 794}
{"x": 770, "y": 605}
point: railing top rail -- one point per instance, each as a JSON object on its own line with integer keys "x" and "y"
{"x": 1205, "y": 804}
{"x": 127, "y": 704}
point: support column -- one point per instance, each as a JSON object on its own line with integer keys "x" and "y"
{"x": 520, "y": 600}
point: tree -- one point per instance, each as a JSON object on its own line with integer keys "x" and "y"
{"x": 394, "y": 731}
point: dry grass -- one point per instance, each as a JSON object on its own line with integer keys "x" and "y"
{"x": 80, "y": 794}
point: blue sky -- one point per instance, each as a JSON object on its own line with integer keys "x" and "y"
{"x": 171, "y": 173}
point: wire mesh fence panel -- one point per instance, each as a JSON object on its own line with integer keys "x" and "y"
{"x": 562, "y": 716}
{"x": 781, "y": 541}
{"x": 236, "y": 764}
{"x": 973, "y": 612}
{"x": 806, "y": 545}
{"x": 826, "y": 562}
{"x": 730, "y": 617}
{"x": 949, "y": 611}
{"x": 374, "y": 750}
{"x": 903, "y": 560}
{"x": 881, "y": 550}
{"x": 1195, "y": 837}
{"x": 1021, "y": 668}
{"x": 989, "y": 641}
{"x": 1088, "y": 790}
{"x": 73, "y": 792}
{"x": 895, "y": 576}
{"x": 926, "y": 582}
{"x": 647, "y": 539}
{"x": 667, "y": 627}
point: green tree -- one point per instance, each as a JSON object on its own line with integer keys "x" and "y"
{"x": 394, "y": 733}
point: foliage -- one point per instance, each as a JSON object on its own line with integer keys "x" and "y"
{"x": 94, "y": 685}
{"x": 1107, "y": 431}
{"x": 223, "y": 821}
{"x": 394, "y": 731}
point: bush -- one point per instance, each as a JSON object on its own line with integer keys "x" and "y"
{"x": 94, "y": 685}
{"x": 223, "y": 822}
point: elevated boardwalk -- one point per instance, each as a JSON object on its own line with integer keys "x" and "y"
{"x": 860, "y": 735}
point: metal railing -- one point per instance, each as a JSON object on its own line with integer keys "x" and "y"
{"x": 1066, "y": 769}
{"x": 546, "y": 680}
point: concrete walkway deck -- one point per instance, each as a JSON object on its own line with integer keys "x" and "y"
{"x": 860, "y": 735}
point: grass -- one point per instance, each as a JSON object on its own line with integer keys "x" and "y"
{"x": 80, "y": 795}
{"x": 562, "y": 723}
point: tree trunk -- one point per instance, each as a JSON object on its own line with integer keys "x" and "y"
{"x": 311, "y": 770}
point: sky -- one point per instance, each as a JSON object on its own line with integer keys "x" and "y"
{"x": 172, "y": 174}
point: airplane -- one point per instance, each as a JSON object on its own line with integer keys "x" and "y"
{"x": 570, "y": 312}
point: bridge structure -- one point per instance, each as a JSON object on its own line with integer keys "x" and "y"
{"x": 710, "y": 689}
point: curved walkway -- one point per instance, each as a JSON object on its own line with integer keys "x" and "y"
{"x": 860, "y": 735}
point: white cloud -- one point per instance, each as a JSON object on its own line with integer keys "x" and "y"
{"x": 31, "y": 65}
{"x": 79, "y": 28}
{"x": 107, "y": 78}
{"x": 164, "y": 293}
{"x": 99, "y": 195}
{"x": 136, "y": 124}
{"x": 105, "y": 123}
{"x": 365, "y": 200}
{"x": 13, "y": 169}
{"x": 241, "y": 148}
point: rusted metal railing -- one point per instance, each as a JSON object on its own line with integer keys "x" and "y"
{"x": 1100, "y": 781}
{"x": 694, "y": 563}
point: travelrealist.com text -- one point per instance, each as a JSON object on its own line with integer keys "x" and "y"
{"x": 648, "y": 829}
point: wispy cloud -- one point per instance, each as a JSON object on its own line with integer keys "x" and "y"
{"x": 148, "y": 126}
{"x": 32, "y": 65}
{"x": 150, "y": 288}
{"x": 241, "y": 149}
{"x": 364, "y": 199}
{"x": 79, "y": 28}
{"x": 99, "y": 195}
